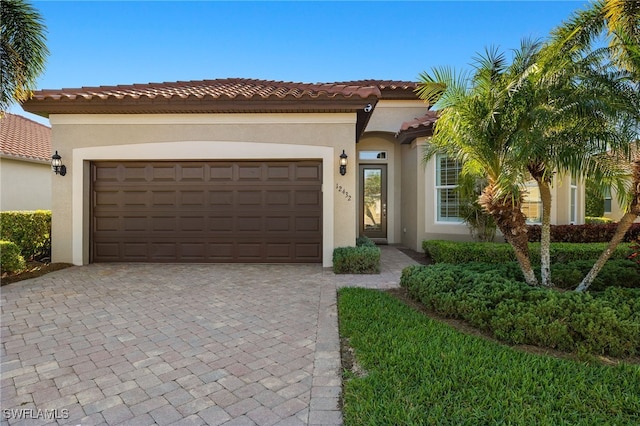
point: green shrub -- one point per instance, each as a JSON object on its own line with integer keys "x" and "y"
{"x": 605, "y": 322}
{"x": 364, "y": 241}
{"x": 587, "y": 233}
{"x": 596, "y": 220}
{"x": 30, "y": 230}
{"x": 10, "y": 258}
{"x": 465, "y": 252}
{"x": 617, "y": 272}
{"x": 356, "y": 260}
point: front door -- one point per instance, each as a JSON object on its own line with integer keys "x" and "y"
{"x": 373, "y": 201}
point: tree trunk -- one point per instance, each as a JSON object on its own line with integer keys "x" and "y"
{"x": 545, "y": 233}
{"x": 520, "y": 244}
{"x": 623, "y": 226}
{"x": 509, "y": 218}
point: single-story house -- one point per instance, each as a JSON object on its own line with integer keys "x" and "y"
{"x": 242, "y": 170}
{"x": 25, "y": 164}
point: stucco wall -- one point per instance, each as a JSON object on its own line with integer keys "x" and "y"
{"x": 24, "y": 185}
{"x": 412, "y": 196}
{"x": 82, "y": 138}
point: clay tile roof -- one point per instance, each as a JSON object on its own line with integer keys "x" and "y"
{"x": 220, "y": 95}
{"x": 390, "y": 89}
{"x": 24, "y": 139}
{"x": 230, "y": 88}
{"x": 420, "y": 126}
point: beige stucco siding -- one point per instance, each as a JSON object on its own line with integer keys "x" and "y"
{"x": 80, "y": 139}
{"x": 24, "y": 185}
{"x": 412, "y": 196}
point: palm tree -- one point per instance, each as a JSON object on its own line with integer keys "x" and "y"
{"x": 22, "y": 51}
{"x": 572, "y": 107}
{"x": 540, "y": 115}
{"x": 620, "y": 20}
{"x": 476, "y": 127}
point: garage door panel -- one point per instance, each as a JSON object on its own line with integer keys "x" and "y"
{"x": 249, "y": 198}
{"x": 134, "y": 223}
{"x": 243, "y": 211}
{"x": 221, "y": 198}
{"x": 249, "y": 172}
{"x": 195, "y": 173}
{"x": 133, "y": 174}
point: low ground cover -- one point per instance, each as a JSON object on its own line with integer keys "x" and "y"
{"x": 414, "y": 370}
{"x": 492, "y": 298}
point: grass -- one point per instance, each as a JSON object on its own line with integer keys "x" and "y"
{"x": 420, "y": 371}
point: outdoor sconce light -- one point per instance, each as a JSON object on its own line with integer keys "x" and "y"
{"x": 343, "y": 163}
{"x": 57, "y": 166}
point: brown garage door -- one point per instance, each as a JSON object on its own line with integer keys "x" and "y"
{"x": 236, "y": 211}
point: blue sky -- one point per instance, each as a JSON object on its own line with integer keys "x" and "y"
{"x": 106, "y": 43}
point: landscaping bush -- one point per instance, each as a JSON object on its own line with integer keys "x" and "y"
{"x": 617, "y": 272}
{"x": 596, "y": 220}
{"x": 587, "y": 233}
{"x": 607, "y": 322}
{"x": 29, "y": 230}
{"x": 356, "y": 260}
{"x": 364, "y": 241}
{"x": 464, "y": 252}
{"x": 10, "y": 258}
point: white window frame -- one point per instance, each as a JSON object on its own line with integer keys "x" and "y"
{"x": 538, "y": 220}
{"x": 607, "y": 200}
{"x": 573, "y": 202}
{"x": 452, "y": 220}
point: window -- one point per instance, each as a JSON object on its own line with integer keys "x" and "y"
{"x": 447, "y": 200}
{"x": 607, "y": 200}
{"x": 372, "y": 155}
{"x": 532, "y": 203}
{"x": 574, "y": 202}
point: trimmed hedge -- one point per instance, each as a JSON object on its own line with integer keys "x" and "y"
{"x": 30, "y": 230}
{"x": 595, "y": 323}
{"x": 453, "y": 252}
{"x": 10, "y": 258}
{"x": 592, "y": 220}
{"x": 356, "y": 260}
{"x": 587, "y": 233}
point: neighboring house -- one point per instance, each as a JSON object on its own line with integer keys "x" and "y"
{"x": 240, "y": 170}
{"x": 25, "y": 164}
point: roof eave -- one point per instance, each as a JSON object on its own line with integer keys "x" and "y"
{"x": 407, "y": 136}
{"x": 45, "y": 107}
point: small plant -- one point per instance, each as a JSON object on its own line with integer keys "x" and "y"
{"x": 10, "y": 258}
{"x": 356, "y": 260}
{"x": 364, "y": 241}
{"x": 29, "y": 230}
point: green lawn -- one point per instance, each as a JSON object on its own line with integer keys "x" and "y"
{"x": 420, "y": 371}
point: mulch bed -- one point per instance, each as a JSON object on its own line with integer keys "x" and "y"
{"x": 34, "y": 270}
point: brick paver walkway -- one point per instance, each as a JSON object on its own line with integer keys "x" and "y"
{"x": 142, "y": 344}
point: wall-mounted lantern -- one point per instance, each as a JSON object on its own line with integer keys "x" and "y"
{"x": 57, "y": 166}
{"x": 343, "y": 163}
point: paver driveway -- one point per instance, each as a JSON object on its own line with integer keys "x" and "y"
{"x": 142, "y": 344}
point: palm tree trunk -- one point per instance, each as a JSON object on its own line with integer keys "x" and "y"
{"x": 545, "y": 233}
{"x": 520, "y": 244}
{"x": 622, "y": 228}
{"x": 509, "y": 218}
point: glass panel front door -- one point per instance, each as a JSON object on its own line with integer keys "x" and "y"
{"x": 373, "y": 201}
